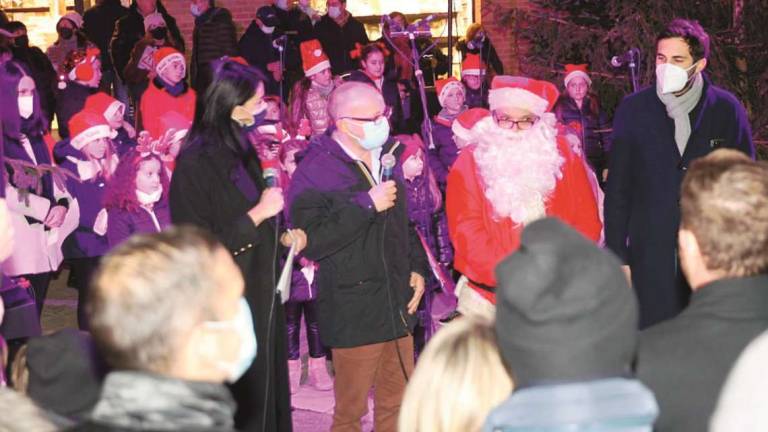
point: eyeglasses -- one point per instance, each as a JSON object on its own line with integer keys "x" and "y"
{"x": 510, "y": 123}
{"x": 384, "y": 115}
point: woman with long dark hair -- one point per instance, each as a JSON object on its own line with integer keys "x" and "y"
{"x": 219, "y": 184}
{"x": 39, "y": 209}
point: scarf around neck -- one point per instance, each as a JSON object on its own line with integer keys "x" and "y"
{"x": 134, "y": 399}
{"x": 449, "y": 116}
{"x": 678, "y": 108}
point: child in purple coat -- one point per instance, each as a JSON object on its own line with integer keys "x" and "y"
{"x": 303, "y": 301}
{"x": 136, "y": 197}
{"x": 425, "y": 212}
{"x": 92, "y": 159}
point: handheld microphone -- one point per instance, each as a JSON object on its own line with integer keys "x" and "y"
{"x": 271, "y": 176}
{"x": 387, "y": 166}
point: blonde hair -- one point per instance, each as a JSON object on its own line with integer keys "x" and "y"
{"x": 459, "y": 378}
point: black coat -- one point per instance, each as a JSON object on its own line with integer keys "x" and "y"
{"x": 686, "y": 360}
{"x": 487, "y": 54}
{"x": 69, "y": 102}
{"x": 207, "y": 191}
{"x": 257, "y": 49}
{"x": 99, "y": 24}
{"x": 391, "y": 95}
{"x": 642, "y": 209}
{"x": 365, "y": 257}
{"x": 338, "y": 41}
{"x": 214, "y": 37}
{"x": 589, "y": 119}
{"x": 130, "y": 28}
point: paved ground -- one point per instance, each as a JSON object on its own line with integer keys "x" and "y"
{"x": 60, "y": 312}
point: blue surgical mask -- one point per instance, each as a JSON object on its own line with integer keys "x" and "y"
{"x": 375, "y": 133}
{"x": 242, "y": 323}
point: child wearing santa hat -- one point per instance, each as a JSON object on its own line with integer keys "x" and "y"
{"x": 136, "y": 196}
{"x": 451, "y": 94}
{"x": 473, "y": 76}
{"x": 79, "y": 78}
{"x": 92, "y": 162}
{"x": 168, "y": 91}
{"x": 114, "y": 113}
{"x": 425, "y": 211}
{"x": 309, "y": 98}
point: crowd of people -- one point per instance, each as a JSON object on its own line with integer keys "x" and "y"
{"x": 517, "y": 261}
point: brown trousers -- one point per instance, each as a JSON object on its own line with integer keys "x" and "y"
{"x": 360, "y": 368}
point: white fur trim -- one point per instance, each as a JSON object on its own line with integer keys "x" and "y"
{"x": 90, "y": 134}
{"x": 517, "y": 98}
{"x": 476, "y": 72}
{"x": 576, "y": 74}
{"x": 323, "y": 65}
{"x": 461, "y": 132}
{"x": 448, "y": 87}
{"x": 112, "y": 108}
{"x": 162, "y": 64}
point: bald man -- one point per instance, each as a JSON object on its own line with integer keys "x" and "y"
{"x": 372, "y": 266}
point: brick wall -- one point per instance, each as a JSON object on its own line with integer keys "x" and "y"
{"x": 502, "y": 37}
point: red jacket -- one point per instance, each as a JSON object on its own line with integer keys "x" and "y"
{"x": 481, "y": 242}
{"x": 155, "y": 102}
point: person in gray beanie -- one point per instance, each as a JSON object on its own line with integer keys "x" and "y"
{"x": 566, "y": 322}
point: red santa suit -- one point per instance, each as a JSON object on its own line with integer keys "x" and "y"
{"x": 510, "y": 178}
{"x": 157, "y": 101}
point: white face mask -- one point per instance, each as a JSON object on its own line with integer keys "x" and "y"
{"x": 671, "y": 78}
{"x": 26, "y": 106}
{"x": 267, "y": 30}
{"x": 149, "y": 198}
{"x": 243, "y": 325}
{"x": 334, "y": 11}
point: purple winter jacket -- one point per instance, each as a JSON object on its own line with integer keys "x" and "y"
{"x": 124, "y": 223}
{"x": 442, "y": 157}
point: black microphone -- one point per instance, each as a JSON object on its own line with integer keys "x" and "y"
{"x": 387, "y": 165}
{"x": 625, "y": 58}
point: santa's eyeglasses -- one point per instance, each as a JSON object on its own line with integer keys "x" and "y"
{"x": 505, "y": 122}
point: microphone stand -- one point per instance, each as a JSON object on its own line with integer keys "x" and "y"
{"x": 634, "y": 65}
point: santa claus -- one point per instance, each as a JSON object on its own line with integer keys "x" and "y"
{"x": 519, "y": 169}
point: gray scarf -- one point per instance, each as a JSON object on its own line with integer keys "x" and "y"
{"x": 678, "y": 109}
{"x": 134, "y": 400}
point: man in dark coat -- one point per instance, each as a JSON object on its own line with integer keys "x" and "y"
{"x": 258, "y": 47}
{"x": 99, "y": 24}
{"x": 297, "y": 26}
{"x": 214, "y": 37}
{"x": 130, "y": 29}
{"x": 371, "y": 262}
{"x": 339, "y": 32}
{"x": 657, "y": 133}
{"x": 723, "y": 242}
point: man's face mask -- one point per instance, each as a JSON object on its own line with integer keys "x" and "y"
{"x": 671, "y": 78}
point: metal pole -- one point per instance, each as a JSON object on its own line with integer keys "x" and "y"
{"x": 450, "y": 38}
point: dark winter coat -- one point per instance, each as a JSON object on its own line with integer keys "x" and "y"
{"x": 365, "y": 257}
{"x": 442, "y": 157}
{"x": 588, "y": 120}
{"x": 130, "y": 28}
{"x": 257, "y": 49}
{"x": 212, "y": 190}
{"x": 430, "y": 223}
{"x": 686, "y": 360}
{"x": 338, "y": 41}
{"x": 125, "y": 223}
{"x": 298, "y": 26}
{"x": 642, "y": 209}
{"x": 99, "y": 25}
{"x": 391, "y": 95}
{"x": 69, "y": 102}
{"x": 123, "y": 143}
{"x": 214, "y": 37}
{"x": 476, "y": 98}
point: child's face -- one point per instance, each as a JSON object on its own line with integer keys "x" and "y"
{"x": 289, "y": 162}
{"x": 97, "y": 148}
{"x": 148, "y": 176}
{"x": 273, "y": 111}
{"x": 473, "y": 81}
{"x": 454, "y": 99}
{"x": 115, "y": 118}
{"x": 414, "y": 166}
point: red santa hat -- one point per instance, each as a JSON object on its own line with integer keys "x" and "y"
{"x": 443, "y": 85}
{"x": 576, "y": 70}
{"x": 412, "y": 144}
{"x": 238, "y": 59}
{"x": 462, "y": 126}
{"x": 472, "y": 65}
{"x": 164, "y": 56}
{"x": 79, "y": 66}
{"x": 313, "y": 58}
{"x": 103, "y": 103}
{"x": 87, "y": 126}
{"x": 535, "y": 96}
{"x": 176, "y": 121}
